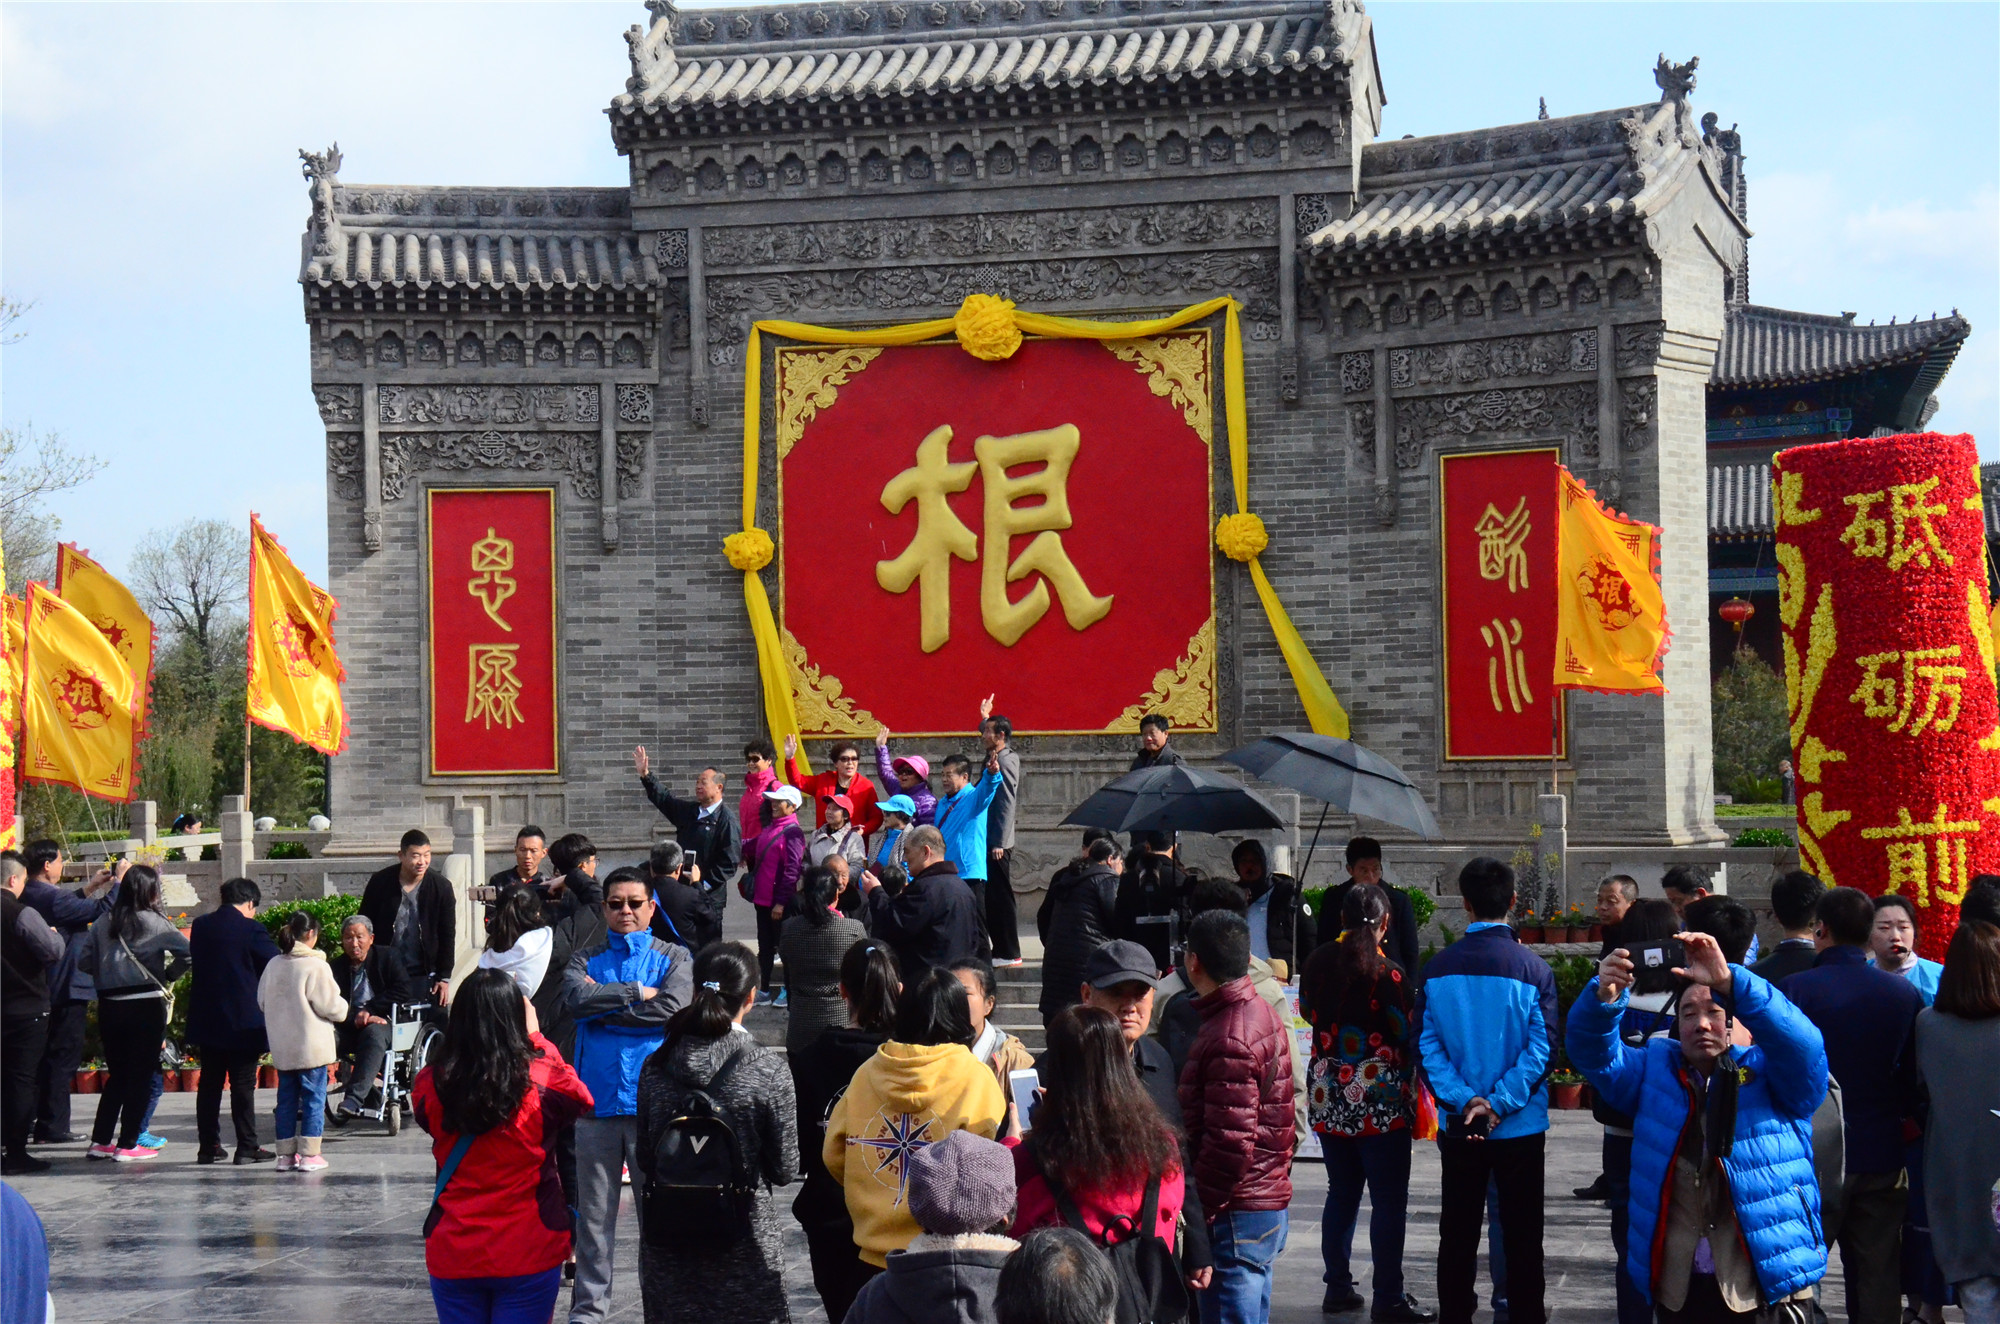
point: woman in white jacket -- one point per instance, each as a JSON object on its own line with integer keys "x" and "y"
{"x": 518, "y": 941}
{"x": 301, "y": 1005}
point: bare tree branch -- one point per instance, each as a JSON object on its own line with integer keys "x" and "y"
{"x": 193, "y": 578}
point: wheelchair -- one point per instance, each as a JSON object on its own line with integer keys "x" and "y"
{"x": 414, "y": 1037}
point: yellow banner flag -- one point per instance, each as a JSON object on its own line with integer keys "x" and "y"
{"x": 295, "y": 674}
{"x": 16, "y": 631}
{"x": 79, "y": 715}
{"x": 1611, "y": 618}
{"x": 11, "y": 641}
{"x": 110, "y": 606}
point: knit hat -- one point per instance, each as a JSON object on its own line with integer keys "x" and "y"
{"x": 960, "y": 1184}
{"x": 916, "y": 763}
{"x": 899, "y": 804}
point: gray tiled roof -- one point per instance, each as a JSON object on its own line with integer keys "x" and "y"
{"x": 1739, "y": 499}
{"x": 1770, "y": 347}
{"x": 386, "y": 235}
{"x": 821, "y": 52}
{"x": 1554, "y": 178}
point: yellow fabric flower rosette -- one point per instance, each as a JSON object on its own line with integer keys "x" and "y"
{"x": 991, "y": 328}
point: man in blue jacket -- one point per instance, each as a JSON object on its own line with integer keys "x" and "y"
{"x": 229, "y": 950}
{"x": 1486, "y": 1009}
{"x": 962, "y": 817}
{"x": 1725, "y": 1212}
{"x": 1869, "y": 1019}
{"x": 622, "y": 989}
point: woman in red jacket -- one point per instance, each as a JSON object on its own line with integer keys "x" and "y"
{"x": 1099, "y": 1133}
{"x": 493, "y": 1102}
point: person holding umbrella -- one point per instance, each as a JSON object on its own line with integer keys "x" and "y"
{"x": 1281, "y": 924}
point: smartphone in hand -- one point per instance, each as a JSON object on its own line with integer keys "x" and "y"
{"x": 1023, "y": 1087}
{"x": 1654, "y": 963}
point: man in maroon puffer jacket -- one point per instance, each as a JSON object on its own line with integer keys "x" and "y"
{"x": 1236, "y": 1100}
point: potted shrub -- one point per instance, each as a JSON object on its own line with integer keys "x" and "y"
{"x": 1531, "y": 929}
{"x": 1566, "y": 1089}
{"x": 84, "y": 1081}
{"x": 267, "y": 1075}
{"x": 191, "y": 1077}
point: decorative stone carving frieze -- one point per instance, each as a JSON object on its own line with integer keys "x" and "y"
{"x": 1361, "y": 434}
{"x": 1315, "y": 211}
{"x": 670, "y": 250}
{"x": 635, "y": 404}
{"x": 1507, "y": 359}
{"x": 1638, "y": 399}
{"x": 338, "y": 404}
{"x": 1252, "y": 275}
{"x": 1357, "y": 372}
{"x": 459, "y": 405}
{"x": 631, "y": 465}
{"x": 535, "y": 204}
{"x": 1567, "y": 412}
{"x": 343, "y": 464}
{"x": 407, "y": 454}
{"x": 1638, "y": 346}
{"x": 1209, "y": 224}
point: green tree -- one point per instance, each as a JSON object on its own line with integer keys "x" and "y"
{"x": 1751, "y": 730}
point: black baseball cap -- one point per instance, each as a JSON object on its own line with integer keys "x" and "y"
{"x": 1120, "y": 962}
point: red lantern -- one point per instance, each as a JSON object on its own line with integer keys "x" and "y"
{"x": 1736, "y": 611}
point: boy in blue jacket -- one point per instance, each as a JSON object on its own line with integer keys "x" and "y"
{"x": 1487, "y": 1009}
{"x": 1725, "y": 1212}
{"x": 622, "y": 989}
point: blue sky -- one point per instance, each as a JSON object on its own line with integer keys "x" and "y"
{"x": 151, "y": 202}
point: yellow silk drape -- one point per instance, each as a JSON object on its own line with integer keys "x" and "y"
{"x": 1323, "y": 710}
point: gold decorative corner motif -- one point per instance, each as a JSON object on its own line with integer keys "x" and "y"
{"x": 823, "y": 707}
{"x": 809, "y": 383}
{"x": 1176, "y": 367}
{"x": 1184, "y": 695}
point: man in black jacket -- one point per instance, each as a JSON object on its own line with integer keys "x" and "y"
{"x": 1154, "y": 752}
{"x": 932, "y": 921}
{"x": 414, "y": 911}
{"x": 1795, "y": 902}
{"x": 28, "y": 947}
{"x": 1117, "y": 978}
{"x": 681, "y": 902}
{"x": 373, "y": 979}
{"x": 1281, "y": 924}
{"x": 703, "y": 826}
{"x": 1364, "y": 865}
{"x": 530, "y": 849}
{"x": 1076, "y": 918}
{"x": 71, "y": 991}
{"x": 229, "y": 950}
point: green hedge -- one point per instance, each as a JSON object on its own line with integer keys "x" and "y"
{"x": 1762, "y": 837}
{"x": 330, "y": 911}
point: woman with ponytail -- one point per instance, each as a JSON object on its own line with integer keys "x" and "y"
{"x": 493, "y": 1101}
{"x": 135, "y": 954}
{"x": 707, "y": 1052}
{"x": 1363, "y": 1099}
{"x": 301, "y": 1003}
{"x": 869, "y": 987}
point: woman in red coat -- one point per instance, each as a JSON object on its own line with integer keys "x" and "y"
{"x": 493, "y": 1103}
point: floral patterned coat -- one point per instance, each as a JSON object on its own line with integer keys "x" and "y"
{"x": 1362, "y": 1081}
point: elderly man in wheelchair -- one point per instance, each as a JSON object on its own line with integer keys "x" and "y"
{"x": 381, "y": 1041}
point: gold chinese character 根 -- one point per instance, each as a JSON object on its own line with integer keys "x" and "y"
{"x": 492, "y": 689}
{"x": 1895, "y": 697}
{"x": 1926, "y": 857}
{"x": 941, "y": 535}
{"x": 1509, "y": 664}
{"x": 1055, "y": 450}
{"x": 492, "y": 558}
{"x": 1503, "y": 545}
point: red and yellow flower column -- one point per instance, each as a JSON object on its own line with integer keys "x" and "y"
{"x": 1889, "y": 681}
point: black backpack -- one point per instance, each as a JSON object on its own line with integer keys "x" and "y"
{"x": 699, "y": 1190}
{"x": 1151, "y": 1287}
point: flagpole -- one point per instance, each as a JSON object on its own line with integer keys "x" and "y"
{"x": 246, "y": 761}
{"x": 1555, "y": 741}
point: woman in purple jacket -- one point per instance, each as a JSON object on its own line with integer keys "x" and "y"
{"x": 773, "y": 861}
{"x": 911, "y": 774}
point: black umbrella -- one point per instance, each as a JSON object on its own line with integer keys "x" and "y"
{"x": 1175, "y": 798}
{"x": 1342, "y": 774}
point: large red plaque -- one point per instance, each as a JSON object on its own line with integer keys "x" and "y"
{"x": 493, "y": 631}
{"x": 1499, "y": 539}
{"x": 1035, "y": 528}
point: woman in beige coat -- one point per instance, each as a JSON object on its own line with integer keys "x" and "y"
{"x": 301, "y": 1005}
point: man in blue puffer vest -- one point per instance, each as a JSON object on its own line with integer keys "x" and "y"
{"x": 1725, "y": 1212}
{"x": 1487, "y": 1011}
{"x": 621, "y": 989}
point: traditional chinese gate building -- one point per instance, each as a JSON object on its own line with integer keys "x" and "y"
{"x": 1429, "y": 325}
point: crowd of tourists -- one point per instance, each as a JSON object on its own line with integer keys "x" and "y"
{"x": 1758, "y": 1108}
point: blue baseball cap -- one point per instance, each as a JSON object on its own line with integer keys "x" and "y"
{"x": 900, "y": 804}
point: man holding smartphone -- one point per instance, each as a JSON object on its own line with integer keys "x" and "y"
{"x": 1487, "y": 1009}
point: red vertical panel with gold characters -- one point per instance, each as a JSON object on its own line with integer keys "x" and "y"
{"x": 1889, "y": 668}
{"x": 493, "y": 680}
{"x": 1498, "y": 516}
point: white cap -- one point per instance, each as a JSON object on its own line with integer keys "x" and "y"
{"x": 789, "y": 794}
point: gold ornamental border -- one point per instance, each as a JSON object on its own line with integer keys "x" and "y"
{"x": 1177, "y": 366}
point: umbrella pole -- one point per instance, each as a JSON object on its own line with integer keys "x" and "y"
{"x": 1323, "y": 811}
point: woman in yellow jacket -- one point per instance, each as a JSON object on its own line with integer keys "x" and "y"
{"x": 920, "y": 1086}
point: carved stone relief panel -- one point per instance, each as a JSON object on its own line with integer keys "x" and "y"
{"x": 631, "y": 465}
{"x": 1506, "y": 359}
{"x": 1357, "y": 372}
{"x": 1361, "y": 434}
{"x": 670, "y": 250}
{"x": 407, "y": 454}
{"x": 1569, "y": 412}
{"x": 343, "y": 464}
{"x": 1638, "y": 400}
{"x": 1252, "y": 274}
{"x": 1638, "y": 346}
{"x": 1251, "y": 221}
{"x": 635, "y": 404}
{"x": 338, "y": 404}
{"x": 448, "y": 405}
{"x": 1314, "y": 212}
